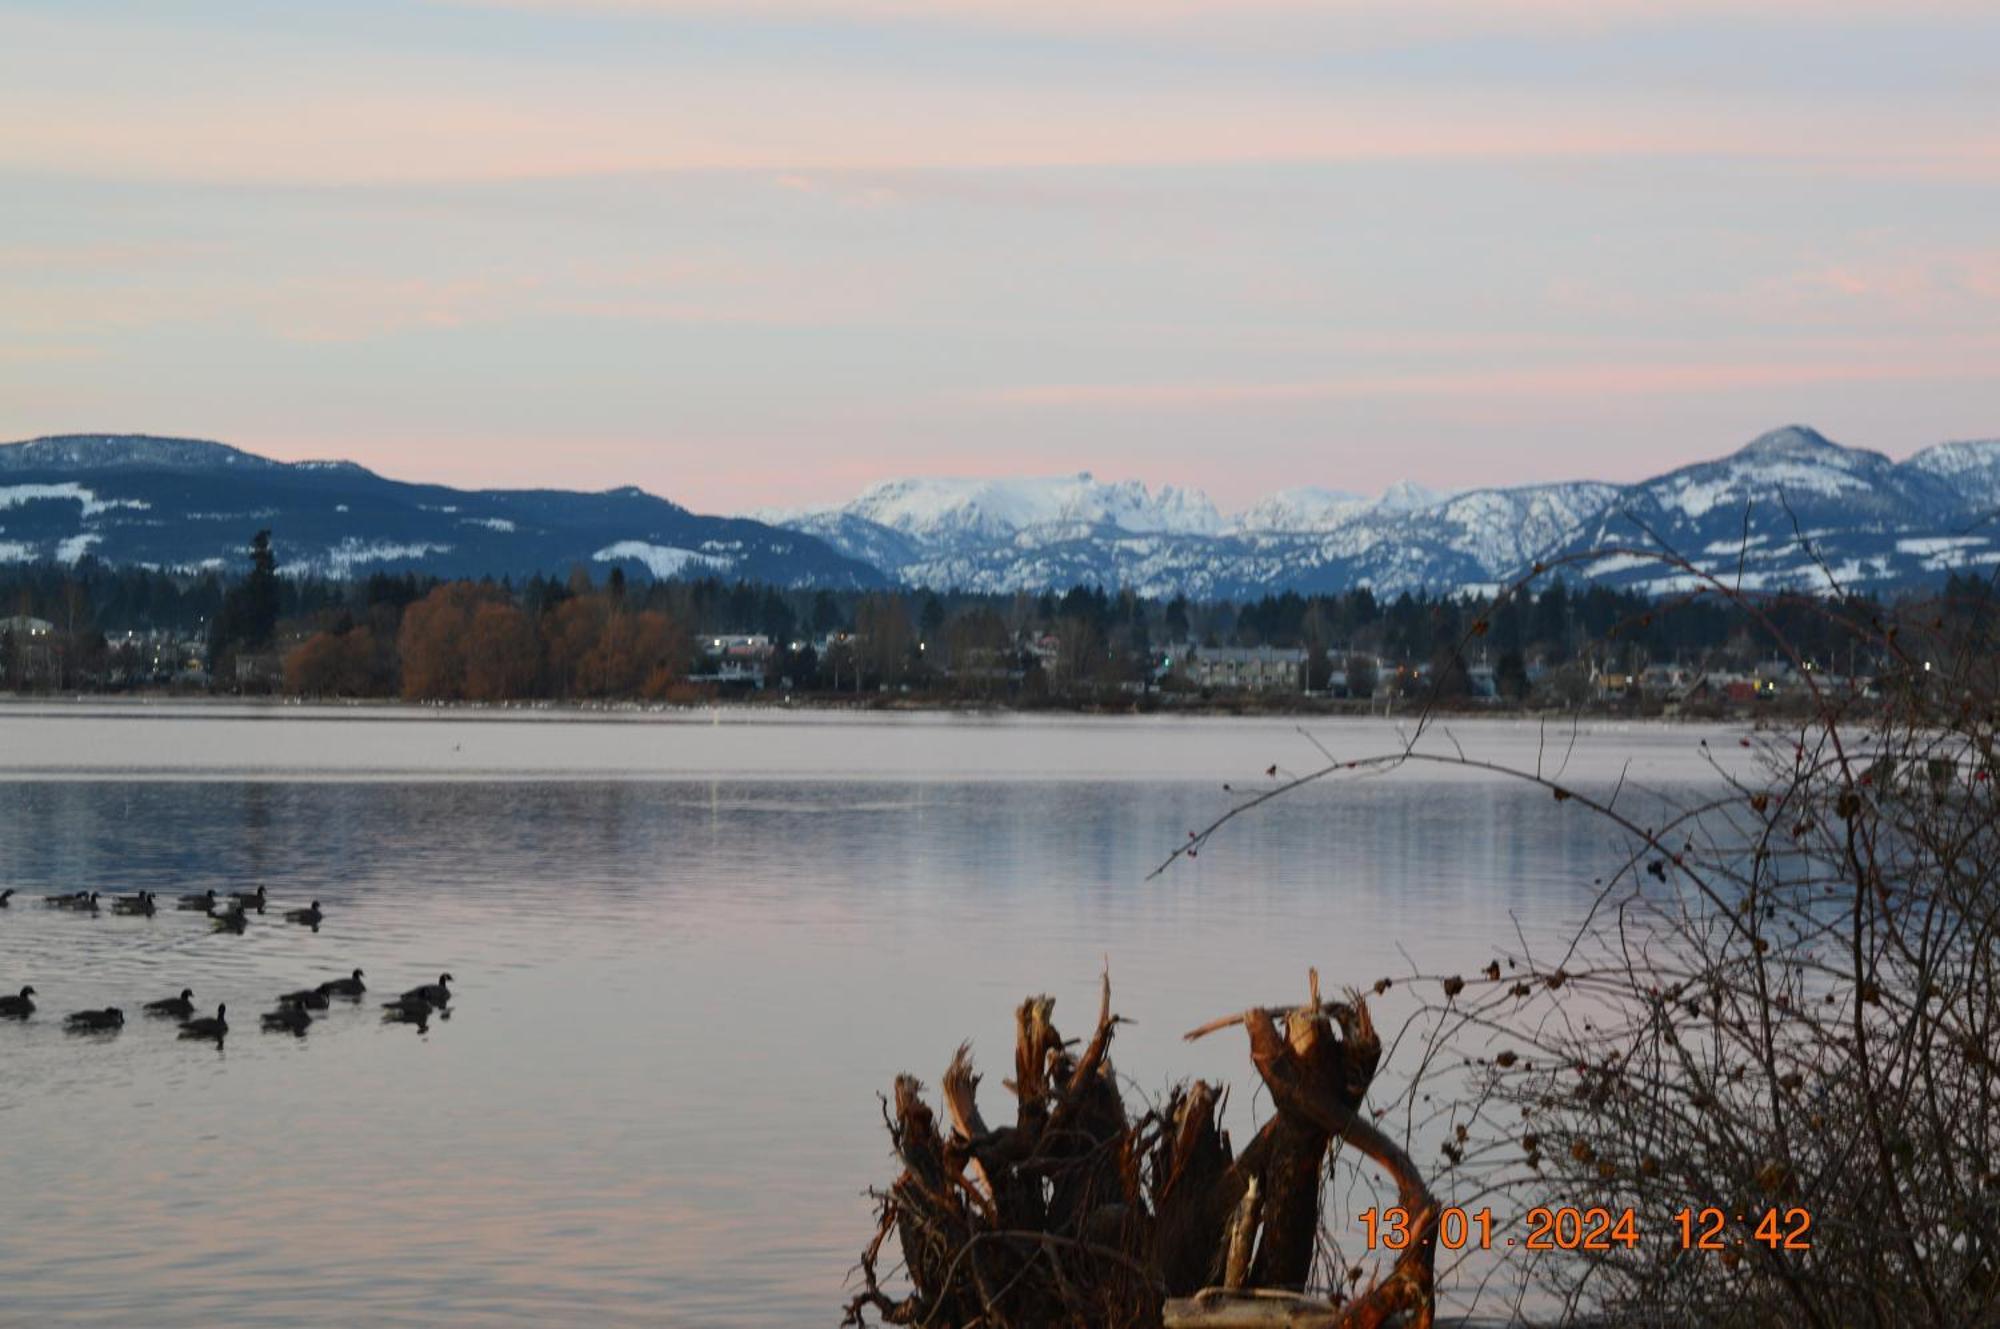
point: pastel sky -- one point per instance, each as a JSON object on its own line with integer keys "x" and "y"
{"x": 766, "y": 252}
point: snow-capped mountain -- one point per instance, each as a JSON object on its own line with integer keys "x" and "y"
{"x": 1793, "y": 509}
{"x": 939, "y": 511}
{"x": 1872, "y": 522}
{"x": 1972, "y": 469}
{"x": 185, "y": 503}
{"x": 1790, "y": 509}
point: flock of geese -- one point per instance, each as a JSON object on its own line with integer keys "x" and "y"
{"x": 294, "y": 1011}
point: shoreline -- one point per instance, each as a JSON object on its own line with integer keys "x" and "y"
{"x": 892, "y": 705}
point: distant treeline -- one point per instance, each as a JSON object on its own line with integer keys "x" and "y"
{"x": 582, "y": 636}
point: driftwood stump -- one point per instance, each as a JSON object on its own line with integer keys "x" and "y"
{"x": 1080, "y": 1214}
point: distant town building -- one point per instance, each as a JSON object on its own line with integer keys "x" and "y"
{"x": 734, "y": 659}
{"x": 1241, "y": 668}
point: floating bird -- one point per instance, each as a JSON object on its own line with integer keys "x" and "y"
{"x": 18, "y": 1008}
{"x": 235, "y": 920}
{"x": 417, "y": 1013}
{"x": 216, "y": 1028}
{"x": 81, "y": 900}
{"x": 180, "y": 1008}
{"x": 290, "y": 1017}
{"x": 310, "y": 998}
{"x": 5, "y": 896}
{"x": 205, "y": 902}
{"x": 436, "y": 994}
{"x": 344, "y": 987}
{"x": 140, "y": 904}
{"x": 95, "y": 1022}
{"x": 249, "y": 899}
{"x": 309, "y": 917}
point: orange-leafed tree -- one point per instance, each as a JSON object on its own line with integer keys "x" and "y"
{"x": 435, "y": 638}
{"x": 502, "y": 657}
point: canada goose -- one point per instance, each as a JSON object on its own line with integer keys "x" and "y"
{"x": 417, "y": 1013}
{"x": 95, "y": 1022}
{"x": 80, "y": 900}
{"x": 436, "y": 994}
{"x": 249, "y": 899}
{"x": 180, "y": 1008}
{"x": 5, "y": 896}
{"x": 290, "y": 1017}
{"x": 235, "y": 920}
{"x": 217, "y": 1028}
{"x": 18, "y": 1008}
{"x": 344, "y": 987}
{"x": 310, "y": 998}
{"x": 205, "y": 902}
{"x": 309, "y": 917}
{"x": 140, "y": 904}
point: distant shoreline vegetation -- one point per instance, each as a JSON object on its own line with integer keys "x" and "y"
{"x": 93, "y": 628}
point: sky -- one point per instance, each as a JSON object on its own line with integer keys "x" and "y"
{"x": 751, "y": 253}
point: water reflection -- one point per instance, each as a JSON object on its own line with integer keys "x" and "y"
{"x": 655, "y": 1101}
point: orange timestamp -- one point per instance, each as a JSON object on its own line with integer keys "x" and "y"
{"x": 1566, "y": 1228}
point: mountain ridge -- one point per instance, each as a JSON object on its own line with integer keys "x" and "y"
{"x": 192, "y": 504}
{"x": 1877, "y": 521}
{"x": 1789, "y": 508}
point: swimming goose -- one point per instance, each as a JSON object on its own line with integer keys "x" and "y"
{"x": 217, "y": 1028}
{"x": 309, "y": 917}
{"x": 180, "y": 1008}
{"x": 80, "y": 900}
{"x": 310, "y": 998}
{"x": 95, "y": 1022}
{"x": 140, "y": 904}
{"x": 290, "y": 1017}
{"x": 344, "y": 987}
{"x": 18, "y": 1008}
{"x": 205, "y": 902}
{"x": 5, "y": 896}
{"x": 249, "y": 899}
{"x": 417, "y": 1013}
{"x": 436, "y": 994}
{"x": 233, "y": 921}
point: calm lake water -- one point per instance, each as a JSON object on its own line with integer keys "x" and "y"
{"x": 691, "y": 949}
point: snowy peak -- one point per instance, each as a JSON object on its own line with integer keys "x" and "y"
{"x": 1000, "y": 509}
{"x": 1790, "y": 441}
{"x": 1971, "y": 469}
{"x": 1305, "y": 508}
{"x": 1809, "y": 504}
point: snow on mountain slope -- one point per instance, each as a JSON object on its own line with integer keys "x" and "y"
{"x": 188, "y": 503}
{"x": 1305, "y": 508}
{"x": 1867, "y": 521}
{"x": 1972, "y": 469}
{"x": 1792, "y": 510}
{"x": 932, "y": 510}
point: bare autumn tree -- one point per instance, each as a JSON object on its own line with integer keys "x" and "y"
{"x": 1760, "y": 1073}
{"x": 1758, "y": 1077}
{"x": 884, "y": 638}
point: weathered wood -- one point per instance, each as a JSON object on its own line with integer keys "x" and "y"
{"x": 1079, "y": 1215}
{"x": 1219, "y": 1308}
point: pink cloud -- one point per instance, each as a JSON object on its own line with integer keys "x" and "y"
{"x": 1561, "y": 382}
